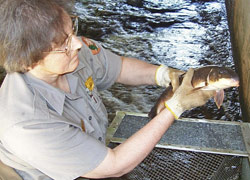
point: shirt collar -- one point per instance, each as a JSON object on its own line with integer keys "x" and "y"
{"x": 54, "y": 96}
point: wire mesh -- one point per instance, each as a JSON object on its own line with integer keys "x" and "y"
{"x": 171, "y": 164}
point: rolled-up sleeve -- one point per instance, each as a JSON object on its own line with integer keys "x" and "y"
{"x": 106, "y": 65}
{"x": 59, "y": 150}
{"x": 112, "y": 64}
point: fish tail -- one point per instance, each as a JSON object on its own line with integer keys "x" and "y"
{"x": 160, "y": 104}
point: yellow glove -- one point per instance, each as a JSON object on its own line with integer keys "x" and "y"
{"x": 186, "y": 97}
{"x": 165, "y": 75}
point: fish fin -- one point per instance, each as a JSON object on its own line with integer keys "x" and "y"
{"x": 219, "y": 97}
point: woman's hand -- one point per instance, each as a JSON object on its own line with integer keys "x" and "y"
{"x": 187, "y": 97}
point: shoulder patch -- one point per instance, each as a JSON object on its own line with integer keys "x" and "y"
{"x": 92, "y": 46}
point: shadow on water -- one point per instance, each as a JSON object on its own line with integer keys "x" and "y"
{"x": 187, "y": 34}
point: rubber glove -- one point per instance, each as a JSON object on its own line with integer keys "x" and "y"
{"x": 186, "y": 97}
{"x": 165, "y": 75}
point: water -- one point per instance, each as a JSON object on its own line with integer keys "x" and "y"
{"x": 178, "y": 33}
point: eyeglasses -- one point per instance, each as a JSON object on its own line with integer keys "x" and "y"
{"x": 68, "y": 41}
{"x": 74, "y": 20}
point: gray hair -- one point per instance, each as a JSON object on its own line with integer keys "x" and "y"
{"x": 28, "y": 28}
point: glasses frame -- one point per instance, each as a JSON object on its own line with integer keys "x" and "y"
{"x": 68, "y": 46}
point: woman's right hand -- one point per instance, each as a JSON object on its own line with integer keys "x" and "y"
{"x": 187, "y": 97}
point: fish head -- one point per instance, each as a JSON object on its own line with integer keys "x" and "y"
{"x": 222, "y": 78}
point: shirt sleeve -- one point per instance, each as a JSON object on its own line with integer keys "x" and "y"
{"x": 58, "y": 150}
{"x": 106, "y": 66}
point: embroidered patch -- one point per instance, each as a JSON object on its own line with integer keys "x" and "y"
{"x": 92, "y": 46}
{"x": 89, "y": 83}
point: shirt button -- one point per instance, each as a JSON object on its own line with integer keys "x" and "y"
{"x": 90, "y": 117}
{"x": 100, "y": 138}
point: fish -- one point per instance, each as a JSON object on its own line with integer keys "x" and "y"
{"x": 204, "y": 78}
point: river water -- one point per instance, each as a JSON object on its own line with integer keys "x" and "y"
{"x": 178, "y": 33}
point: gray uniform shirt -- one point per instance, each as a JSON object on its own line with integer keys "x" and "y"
{"x": 50, "y": 134}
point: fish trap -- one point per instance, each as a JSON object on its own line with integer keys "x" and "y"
{"x": 190, "y": 149}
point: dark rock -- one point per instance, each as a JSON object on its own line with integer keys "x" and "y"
{"x": 137, "y": 3}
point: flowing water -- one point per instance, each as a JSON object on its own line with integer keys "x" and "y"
{"x": 178, "y": 33}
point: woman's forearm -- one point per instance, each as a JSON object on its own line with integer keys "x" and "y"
{"x": 129, "y": 154}
{"x": 137, "y": 72}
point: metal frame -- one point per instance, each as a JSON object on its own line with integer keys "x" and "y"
{"x": 245, "y": 127}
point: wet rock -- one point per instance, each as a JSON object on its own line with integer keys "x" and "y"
{"x": 193, "y": 1}
{"x": 137, "y": 3}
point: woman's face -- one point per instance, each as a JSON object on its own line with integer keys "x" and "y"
{"x": 58, "y": 61}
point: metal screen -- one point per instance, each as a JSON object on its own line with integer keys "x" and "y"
{"x": 191, "y": 149}
{"x": 168, "y": 164}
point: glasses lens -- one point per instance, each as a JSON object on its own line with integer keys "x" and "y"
{"x": 69, "y": 44}
{"x": 74, "y": 24}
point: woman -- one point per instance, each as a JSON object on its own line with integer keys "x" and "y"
{"x": 53, "y": 122}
